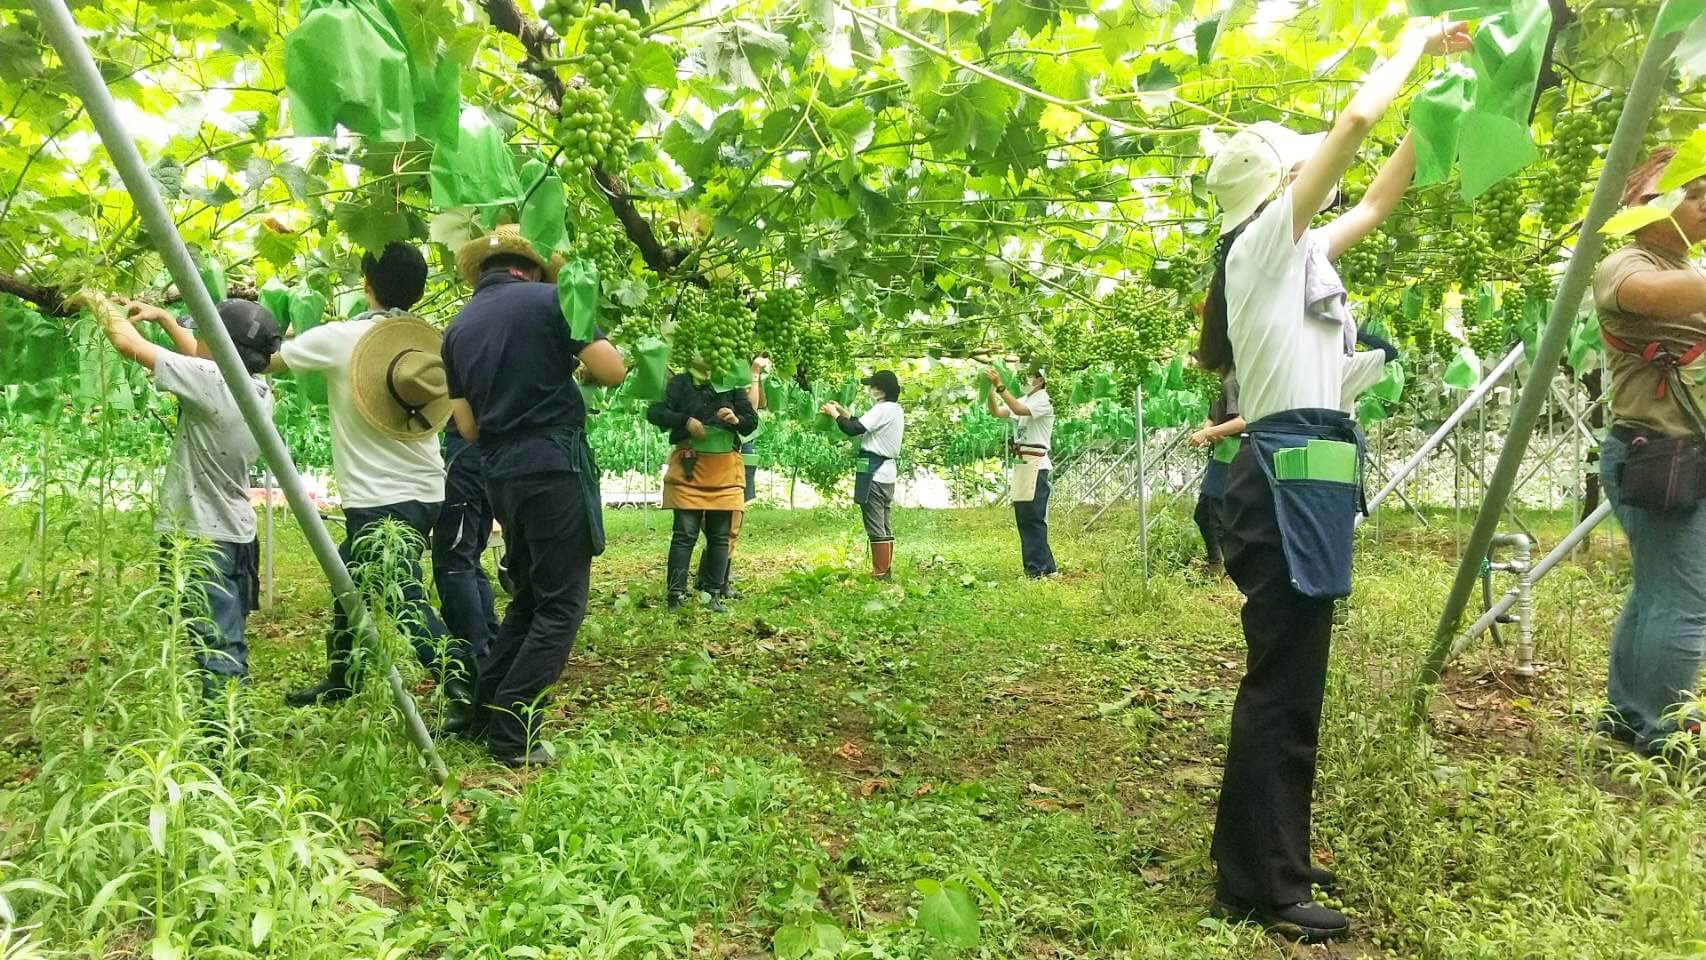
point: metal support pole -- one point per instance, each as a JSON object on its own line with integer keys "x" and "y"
{"x": 1127, "y": 487}
{"x": 267, "y": 569}
{"x": 1469, "y": 404}
{"x": 1142, "y": 494}
{"x": 1619, "y": 159}
{"x": 67, "y": 38}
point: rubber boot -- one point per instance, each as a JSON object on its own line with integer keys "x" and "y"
{"x": 882, "y": 558}
{"x": 336, "y": 687}
{"x": 463, "y": 716}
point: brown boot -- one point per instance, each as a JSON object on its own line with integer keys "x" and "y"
{"x": 882, "y": 557}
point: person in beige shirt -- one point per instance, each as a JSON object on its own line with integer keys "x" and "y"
{"x": 1652, "y": 301}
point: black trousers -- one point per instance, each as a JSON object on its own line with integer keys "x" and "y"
{"x": 550, "y": 563}
{"x": 1207, "y": 516}
{"x": 1032, "y": 518}
{"x": 714, "y": 567}
{"x": 413, "y": 611}
{"x": 1261, "y": 833}
{"x": 459, "y": 540}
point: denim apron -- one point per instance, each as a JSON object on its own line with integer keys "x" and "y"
{"x": 1317, "y": 517}
{"x": 1219, "y": 467}
{"x": 869, "y": 464}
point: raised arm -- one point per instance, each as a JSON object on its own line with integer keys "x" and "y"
{"x": 1321, "y": 173}
{"x": 1378, "y": 203}
{"x": 120, "y": 330}
{"x": 183, "y": 341}
{"x": 603, "y": 363}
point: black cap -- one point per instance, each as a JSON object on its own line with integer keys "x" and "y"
{"x": 250, "y": 325}
{"x": 885, "y": 381}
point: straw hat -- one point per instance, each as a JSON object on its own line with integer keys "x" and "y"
{"x": 506, "y": 238}
{"x": 397, "y": 378}
{"x": 1249, "y": 169}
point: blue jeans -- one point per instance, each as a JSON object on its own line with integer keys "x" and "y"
{"x": 1660, "y": 638}
{"x": 215, "y": 608}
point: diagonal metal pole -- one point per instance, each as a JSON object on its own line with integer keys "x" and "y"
{"x": 1619, "y": 160}
{"x": 62, "y": 31}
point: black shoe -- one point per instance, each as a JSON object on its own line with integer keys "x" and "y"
{"x": 1610, "y": 725}
{"x": 537, "y": 757}
{"x": 1309, "y": 922}
{"x": 461, "y": 714}
{"x": 714, "y": 604}
{"x": 676, "y": 600}
{"x": 325, "y": 692}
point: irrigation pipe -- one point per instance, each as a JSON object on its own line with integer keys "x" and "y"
{"x": 1619, "y": 159}
{"x": 62, "y": 31}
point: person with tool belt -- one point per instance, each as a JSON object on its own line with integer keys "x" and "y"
{"x": 1278, "y": 314}
{"x": 1652, "y": 315}
{"x": 706, "y": 479}
{"x": 1033, "y": 432}
{"x": 880, "y": 431}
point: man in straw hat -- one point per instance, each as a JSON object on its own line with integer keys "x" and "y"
{"x": 510, "y": 360}
{"x": 385, "y": 384}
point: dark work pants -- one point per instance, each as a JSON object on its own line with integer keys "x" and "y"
{"x": 1207, "y": 517}
{"x": 1032, "y": 518}
{"x": 459, "y": 540}
{"x": 714, "y": 567}
{"x": 549, "y": 547}
{"x": 414, "y": 613}
{"x": 1261, "y": 834}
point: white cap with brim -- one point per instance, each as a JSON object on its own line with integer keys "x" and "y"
{"x": 1250, "y": 167}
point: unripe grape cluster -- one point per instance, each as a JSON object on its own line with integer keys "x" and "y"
{"x": 562, "y": 14}
{"x": 1365, "y": 264}
{"x": 591, "y": 135}
{"x": 1471, "y": 252}
{"x": 714, "y": 326}
{"x": 1574, "y": 135}
{"x": 610, "y": 39}
{"x": 781, "y": 319}
{"x": 1143, "y": 329}
{"x": 1500, "y": 210}
{"x": 605, "y": 245}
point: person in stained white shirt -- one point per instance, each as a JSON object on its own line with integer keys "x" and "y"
{"x": 880, "y": 430}
{"x": 1033, "y": 435}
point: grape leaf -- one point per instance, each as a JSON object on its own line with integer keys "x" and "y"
{"x": 948, "y": 913}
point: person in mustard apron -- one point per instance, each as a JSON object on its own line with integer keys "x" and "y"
{"x": 705, "y": 483}
{"x": 1277, "y": 313}
{"x": 705, "y": 579}
{"x": 880, "y": 431}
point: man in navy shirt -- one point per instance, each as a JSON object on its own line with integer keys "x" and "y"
{"x": 510, "y": 363}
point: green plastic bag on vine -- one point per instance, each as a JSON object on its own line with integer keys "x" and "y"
{"x": 1391, "y": 387}
{"x": 275, "y": 297}
{"x": 1464, "y": 371}
{"x": 651, "y": 370}
{"x": 1436, "y": 114}
{"x": 478, "y": 169}
{"x": 577, "y": 295}
{"x": 1584, "y": 339}
{"x": 1081, "y": 391}
{"x": 542, "y": 209}
{"x": 1460, "y": 9}
{"x": 33, "y": 349}
{"x": 775, "y": 393}
{"x": 307, "y": 311}
{"x": 1370, "y": 409}
{"x": 346, "y": 64}
{"x": 736, "y": 375}
{"x": 212, "y": 277}
{"x": 1176, "y": 373}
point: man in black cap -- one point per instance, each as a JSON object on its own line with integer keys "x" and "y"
{"x": 879, "y": 431}
{"x": 205, "y": 498}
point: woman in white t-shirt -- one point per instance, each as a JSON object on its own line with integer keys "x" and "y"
{"x": 1276, "y": 313}
{"x": 1033, "y": 435}
{"x": 879, "y": 430}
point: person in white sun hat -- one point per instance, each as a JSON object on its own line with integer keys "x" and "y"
{"x": 1276, "y": 315}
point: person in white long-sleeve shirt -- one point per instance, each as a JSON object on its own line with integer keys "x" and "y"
{"x": 1033, "y": 435}
{"x": 880, "y": 430}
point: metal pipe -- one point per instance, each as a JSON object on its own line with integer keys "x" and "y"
{"x": 1142, "y": 498}
{"x": 1126, "y": 488}
{"x": 1553, "y": 557}
{"x": 62, "y": 31}
{"x": 1469, "y": 403}
{"x": 1619, "y": 159}
{"x": 267, "y": 572}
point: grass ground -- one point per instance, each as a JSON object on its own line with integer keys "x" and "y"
{"x": 958, "y": 763}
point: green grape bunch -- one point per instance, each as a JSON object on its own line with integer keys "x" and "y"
{"x": 780, "y": 322}
{"x": 610, "y": 39}
{"x": 606, "y": 246}
{"x": 562, "y": 14}
{"x": 1141, "y": 330}
{"x": 1501, "y": 210}
{"x": 1471, "y": 255}
{"x": 1364, "y": 266}
{"x": 590, "y": 133}
{"x": 715, "y": 327}
{"x": 1574, "y": 135}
